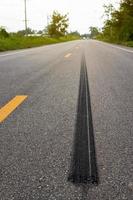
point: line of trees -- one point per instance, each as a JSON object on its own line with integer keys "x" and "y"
{"x": 119, "y": 23}
{"x": 57, "y": 27}
{"x": 118, "y": 26}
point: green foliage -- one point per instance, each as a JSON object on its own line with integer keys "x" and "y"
{"x": 85, "y": 35}
{"x": 3, "y": 33}
{"x": 108, "y": 10}
{"x": 25, "y": 32}
{"x": 93, "y": 32}
{"x": 118, "y": 26}
{"x": 21, "y": 42}
{"x": 74, "y": 33}
{"x": 128, "y": 43}
{"x": 58, "y": 25}
{"x": 40, "y": 32}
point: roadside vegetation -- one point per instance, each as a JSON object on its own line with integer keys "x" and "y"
{"x": 55, "y": 32}
{"x": 118, "y": 25}
{"x": 17, "y": 42}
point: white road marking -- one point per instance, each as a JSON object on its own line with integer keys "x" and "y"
{"x": 122, "y": 49}
{"x": 116, "y": 47}
{"x": 10, "y": 54}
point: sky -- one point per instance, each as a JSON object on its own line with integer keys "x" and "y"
{"x": 82, "y": 13}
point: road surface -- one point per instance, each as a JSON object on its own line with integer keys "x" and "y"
{"x": 37, "y": 138}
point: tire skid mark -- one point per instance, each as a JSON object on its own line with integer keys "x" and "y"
{"x": 83, "y": 167}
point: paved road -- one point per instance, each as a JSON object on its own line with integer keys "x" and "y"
{"x": 36, "y": 140}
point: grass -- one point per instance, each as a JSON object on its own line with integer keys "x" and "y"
{"x": 125, "y": 43}
{"x": 14, "y": 42}
{"x": 128, "y": 43}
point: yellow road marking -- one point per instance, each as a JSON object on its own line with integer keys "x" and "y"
{"x": 68, "y": 55}
{"x": 6, "y": 110}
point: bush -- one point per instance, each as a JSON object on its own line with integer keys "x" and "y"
{"x": 17, "y": 42}
{"x": 3, "y": 33}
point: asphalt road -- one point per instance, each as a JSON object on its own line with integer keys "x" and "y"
{"x": 37, "y": 139}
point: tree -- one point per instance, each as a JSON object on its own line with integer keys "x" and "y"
{"x": 25, "y": 32}
{"x": 74, "y": 33}
{"x": 58, "y": 25}
{"x": 3, "y": 33}
{"x": 126, "y": 8}
{"x": 40, "y": 32}
{"x": 119, "y": 23}
{"x": 93, "y": 32}
{"x": 85, "y": 35}
{"x": 108, "y": 10}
